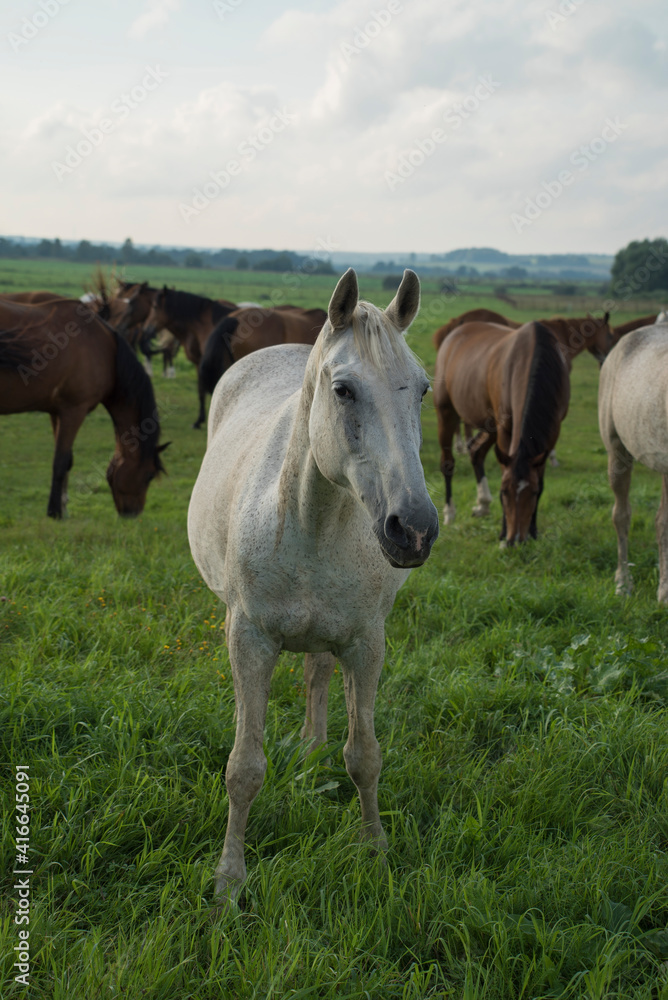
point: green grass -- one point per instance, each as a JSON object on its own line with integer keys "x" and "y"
{"x": 521, "y": 714}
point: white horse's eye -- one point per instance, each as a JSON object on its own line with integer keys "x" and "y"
{"x": 342, "y": 391}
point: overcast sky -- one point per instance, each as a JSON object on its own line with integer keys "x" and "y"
{"x": 394, "y": 126}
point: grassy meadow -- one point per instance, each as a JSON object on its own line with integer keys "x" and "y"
{"x": 521, "y": 714}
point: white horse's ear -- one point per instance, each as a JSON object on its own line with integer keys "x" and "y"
{"x": 343, "y": 301}
{"x": 404, "y": 307}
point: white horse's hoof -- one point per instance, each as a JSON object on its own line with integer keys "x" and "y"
{"x": 554, "y": 461}
{"x": 227, "y": 889}
{"x": 449, "y": 512}
{"x": 480, "y": 510}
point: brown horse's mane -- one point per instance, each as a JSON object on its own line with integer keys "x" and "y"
{"x": 186, "y": 306}
{"x": 134, "y": 386}
{"x": 545, "y": 389}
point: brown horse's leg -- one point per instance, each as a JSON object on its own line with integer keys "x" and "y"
{"x": 252, "y": 659}
{"x": 464, "y": 438}
{"x": 448, "y": 422}
{"x": 620, "y": 466}
{"x": 662, "y": 538}
{"x": 65, "y": 427}
{"x": 361, "y": 668}
{"x": 478, "y": 449}
{"x": 318, "y": 670}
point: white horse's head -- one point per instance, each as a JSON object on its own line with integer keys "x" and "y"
{"x": 364, "y": 424}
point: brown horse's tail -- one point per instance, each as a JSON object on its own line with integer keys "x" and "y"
{"x": 545, "y": 401}
{"x": 217, "y": 356}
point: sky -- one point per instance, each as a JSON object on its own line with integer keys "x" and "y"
{"x": 397, "y": 126}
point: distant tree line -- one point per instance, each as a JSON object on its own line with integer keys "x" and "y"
{"x": 86, "y": 252}
{"x": 640, "y": 267}
{"x": 101, "y": 253}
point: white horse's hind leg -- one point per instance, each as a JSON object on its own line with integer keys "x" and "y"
{"x": 318, "y": 670}
{"x": 252, "y": 658}
{"x": 662, "y": 538}
{"x": 361, "y": 669}
{"x": 554, "y": 461}
{"x": 620, "y": 466}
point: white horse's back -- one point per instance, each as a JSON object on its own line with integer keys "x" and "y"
{"x": 260, "y": 382}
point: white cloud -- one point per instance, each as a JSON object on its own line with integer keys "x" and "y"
{"x": 156, "y": 12}
{"x": 360, "y": 112}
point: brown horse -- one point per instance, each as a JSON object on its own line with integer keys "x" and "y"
{"x": 191, "y": 319}
{"x": 137, "y": 300}
{"x": 60, "y": 358}
{"x": 574, "y": 335}
{"x": 513, "y": 386}
{"x": 248, "y": 330}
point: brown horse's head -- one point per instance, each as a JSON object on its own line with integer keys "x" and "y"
{"x": 158, "y": 316}
{"x": 593, "y": 334}
{"x": 519, "y": 499}
{"x": 130, "y": 471}
{"x": 137, "y": 307}
{"x": 136, "y": 459}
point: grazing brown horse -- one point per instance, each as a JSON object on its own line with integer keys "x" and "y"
{"x": 60, "y": 358}
{"x": 248, "y": 330}
{"x": 191, "y": 318}
{"x": 633, "y": 324}
{"x": 513, "y": 386}
{"x": 574, "y": 335}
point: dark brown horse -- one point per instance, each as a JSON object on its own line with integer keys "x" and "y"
{"x": 60, "y": 358}
{"x": 137, "y": 302}
{"x": 248, "y": 330}
{"x": 191, "y": 318}
{"x": 513, "y": 386}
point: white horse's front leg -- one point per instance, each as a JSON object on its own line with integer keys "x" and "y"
{"x": 318, "y": 670}
{"x": 361, "y": 667}
{"x": 662, "y": 538}
{"x": 252, "y": 658}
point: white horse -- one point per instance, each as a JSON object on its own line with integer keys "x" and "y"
{"x": 633, "y": 419}
{"x": 309, "y": 511}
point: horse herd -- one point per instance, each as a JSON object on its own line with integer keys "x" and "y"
{"x": 311, "y": 507}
